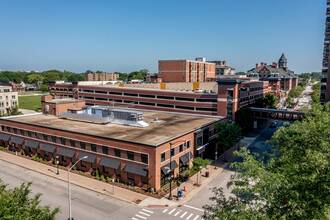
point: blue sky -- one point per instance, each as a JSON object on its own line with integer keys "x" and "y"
{"x": 125, "y": 35}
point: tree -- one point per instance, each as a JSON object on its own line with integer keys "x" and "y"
{"x": 240, "y": 73}
{"x": 228, "y": 134}
{"x": 269, "y": 101}
{"x": 17, "y": 204}
{"x": 35, "y": 78}
{"x": 289, "y": 100}
{"x": 243, "y": 118}
{"x": 99, "y": 71}
{"x": 293, "y": 183}
{"x": 296, "y": 92}
{"x": 89, "y": 71}
{"x": 43, "y": 87}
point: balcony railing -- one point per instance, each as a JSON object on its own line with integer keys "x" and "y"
{"x": 323, "y": 80}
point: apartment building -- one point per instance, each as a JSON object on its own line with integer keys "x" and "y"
{"x": 221, "y": 68}
{"x": 185, "y": 70}
{"x": 133, "y": 146}
{"x": 325, "y": 87}
{"x": 8, "y": 99}
{"x": 101, "y": 76}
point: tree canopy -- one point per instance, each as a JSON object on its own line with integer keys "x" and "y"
{"x": 270, "y": 101}
{"x": 292, "y": 183}
{"x": 228, "y": 134}
{"x": 296, "y": 92}
{"x": 17, "y": 204}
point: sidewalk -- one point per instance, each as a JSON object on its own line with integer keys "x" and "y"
{"x": 76, "y": 179}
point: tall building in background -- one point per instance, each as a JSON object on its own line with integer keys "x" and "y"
{"x": 197, "y": 70}
{"x": 101, "y": 76}
{"x": 325, "y": 87}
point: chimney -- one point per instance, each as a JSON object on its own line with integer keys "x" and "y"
{"x": 257, "y": 65}
{"x": 265, "y": 64}
{"x": 275, "y": 65}
{"x": 261, "y": 64}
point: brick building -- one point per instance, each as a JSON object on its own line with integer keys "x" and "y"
{"x": 139, "y": 155}
{"x": 185, "y": 70}
{"x": 221, "y": 68}
{"x": 101, "y": 76}
{"x": 186, "y": 101}
{"x": 279, "y": 76}
{"x": 325, "y": 87}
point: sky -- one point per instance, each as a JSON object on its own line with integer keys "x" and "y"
{"x": 129, "y": 35}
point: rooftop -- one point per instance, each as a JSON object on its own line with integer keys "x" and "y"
{"x": 173, "y": 125}
{"x": 62, "y": 101}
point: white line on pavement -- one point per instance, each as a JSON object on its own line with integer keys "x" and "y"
{"x": 188, "y": 206}
{"x": 144, "y": 213}
{"x": 135, "y": 218}
{"x": 140, "y": 216}
{"x": 196, "y": 217}
{"x": 165, "y": 211}
{"x": 147, "y": 210}
{"x": 171, "y": 211}
{"x": 189, "y": 216}
{"x": 177, "y": 213}
{"x": 183, "y": 215}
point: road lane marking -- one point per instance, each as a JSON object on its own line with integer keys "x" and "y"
{"x": 135, "y": 218}
{"x": 140, "y": 216}
{"x": 196, "y": 217}
{"x": 189, "y": 216}
{"x": 147, "y": 210}
{"x": 165, "y": 211}
{"x": 183, "y": 215}
{"x": 177, "y": 213}
{"x": 144, "y": 213}
{"x": 188, "y": 206}
{"x": 171, "y": 211}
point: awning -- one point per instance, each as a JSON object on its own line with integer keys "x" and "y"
{"x": 90, "y": 158}
{"x": 4, "y": 137}
{"x": 138, "y": 170}
{"x": 173, "y": 166}
{"x": 201, "y": 149}
{"x": 32, "y": 144}
{"x": 17, "y": 140}
{"x": 66, "y": 152}
{"x": 106, "y": 162}
{"x": 48, "y": 148}
{"x": 185, "y": 158}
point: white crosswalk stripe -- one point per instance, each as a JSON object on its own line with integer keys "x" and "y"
{"x": 183, "y": 214}
{"x": 144, "y": 213}
{"x": 147, "y": 211}
{"x": 196, "y": 217}
{"x": 171, "y": 211}
{"x": 165, "y": 210}
{"x": 189, "y": 216}
{"x": 140, "y": 216}
{"x": 134, "y": 218}
{"x": 177, "y": 213}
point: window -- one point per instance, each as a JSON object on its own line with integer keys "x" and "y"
{"x": 130, "y": 176}
{"x": 37, "y": 135}
{"x": 15, "y": 130}
{"x": 105, "y": 169}
{"x": 83, "y": 164}
{"x": 8, "y": 129}
{"x": 29, "y": 133}
{"x": 105, "y": 150}
{"x": 2, "y": 128}
{"x": 130, "y": 155}
{"x": 181, "y": 148}
{"x": 45, "y": 137}
{"x": 63, "y": 159}
{"x": 117, "y": 152}
{"x": 162, "y": 157}
{"x": 83, "y": 145}
{"x": 72, "y": 143}
{"x": 93, "y": 147}
{"x": 54, "y": 139}
{"x": 172, "y": 152}
{"x": 144, "y": 179}
{"x": 22, "y": 132}
{"x": 188, "y": 144}
{"x": 144, "y": 158}
{"x": 62, "y": 141}
{"x": 199, "y": 141}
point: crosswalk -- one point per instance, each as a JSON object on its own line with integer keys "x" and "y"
{"x": 181, "y": 214}
{"x": 142, "y": 215}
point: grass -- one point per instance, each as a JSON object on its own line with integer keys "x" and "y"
{"x": 30, "y": 102}
{"x": 35, "y": 92}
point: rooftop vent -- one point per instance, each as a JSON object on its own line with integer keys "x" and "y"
{"x": 156, "y": 120}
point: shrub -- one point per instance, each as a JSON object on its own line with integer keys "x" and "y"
{"x": 23, "y": 152}
{"x": 97, "y": 177}
{"x": 97, "y": 173}
{"x": 108, "y": 179}
{"x": 102, "y": 177}
{"x": 74, "y": 168}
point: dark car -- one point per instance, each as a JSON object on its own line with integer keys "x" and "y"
{"x": 273, "y": 125}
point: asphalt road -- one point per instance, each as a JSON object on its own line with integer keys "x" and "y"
{"x": 305, "y": 98}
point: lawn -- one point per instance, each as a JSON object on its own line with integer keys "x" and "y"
{"x": 30, "y": 102}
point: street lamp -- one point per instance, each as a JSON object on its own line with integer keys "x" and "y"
{"x": 216, "y": 157}
{"x": 57, "y": 162}
{"x": 69, "y": 193}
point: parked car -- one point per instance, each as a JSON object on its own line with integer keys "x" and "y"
{"x": 199, "y": 91}
{"x": 273, "y": 125}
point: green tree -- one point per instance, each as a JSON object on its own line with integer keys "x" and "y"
{"x": 17, "y": 204}
{"x": 289, "y": 100}
{"x": 99, "y": 71}
{"x": 296, "y": 92}
{"x": 243, "y": 118}
{"x": 35, "y": 78}
{"x": 240, "y": 73}
{"x": 270, "y": 101}
{"x": 89, "y": 71}
{"x": 43, "y": 87}
{"x": 293, "y": 183}
{"x": 228, "y": 134}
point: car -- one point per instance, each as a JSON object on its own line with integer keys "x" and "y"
{"x": 199, "y": 91}
{"x": 273, "y": 124}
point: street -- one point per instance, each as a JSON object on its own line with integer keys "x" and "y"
{"x": 304, "y": 98}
